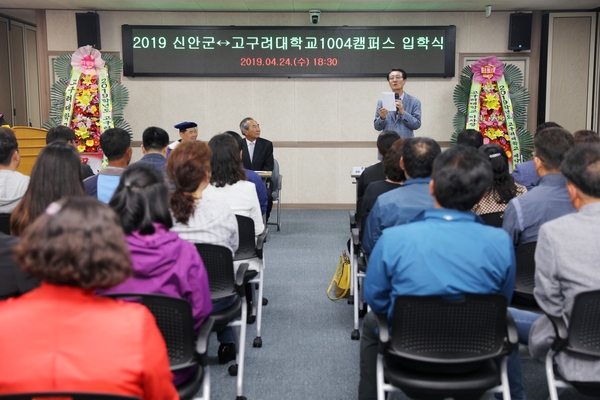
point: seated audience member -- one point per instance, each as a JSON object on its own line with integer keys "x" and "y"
{"x": 154, "y": 147}
{"x": 228, "y": 182}
{"x": 373, "y": 173}
{"x": 470, "y": 137}
{"x": 586, "y": 136}
{"x": 55, "y": 174}
{"x": 398, "y": 206}
{"x": 406, "y": 260}
{"x": 549, "y": 199}
{"x": 188, "y": 132}
{"x": 261, "y": 189}
{"x": 202, "y": 220}
{"x": 13, "y": 184}
{"x": 3, "y": 122}
{"x": 163, "y": 263}
{"x": 66, "y": 134}
{"x": 13, "y": 281}
{"x": 61, "y": 336}
{"x": 257, "y": 155}
{"x": 198, "y": 219}
{"x": 504, "y": 188}
{"x": 394, "y": 177}
{"x": 525, "y": 173}
{"x": 566, "y": 259}
{"x": 116, "y": 145}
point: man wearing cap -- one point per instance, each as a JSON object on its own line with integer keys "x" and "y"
{"x": 188, "y": 131}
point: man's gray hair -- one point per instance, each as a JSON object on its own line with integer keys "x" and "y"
{"x": 244, "y": 125}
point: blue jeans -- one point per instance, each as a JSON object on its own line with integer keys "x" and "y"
{"x": 225, "y": 335}
{"x": 523, "y": 320}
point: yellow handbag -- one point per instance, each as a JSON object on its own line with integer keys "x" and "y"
{"x": 341, "y": 279}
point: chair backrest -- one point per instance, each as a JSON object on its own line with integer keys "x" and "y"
{"x": 525, "y": 275}
{"x": 584, "y": 324}
{"x": 175, "y": 321}
{"x": 361, "y": 225}
{"x": 5, "y": 223}
{"x": 219, "y": 267}
{"x": 247, "y": 241}
{"x": 275, "y": 176}
{"x": 66, "y": 396}
{"x": 493, "y": 219}
{"x": 437, "y": 330}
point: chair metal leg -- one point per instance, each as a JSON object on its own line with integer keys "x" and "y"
{"x": 380, "y": 378}
{"x": 258, "y": 340}
{"x": 241, "y": 353}
{"x": 205, "y": 385}
{"x": 504, "y": 379}
{"x": 278, "y": 210}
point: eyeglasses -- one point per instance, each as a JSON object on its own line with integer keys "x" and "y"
{"x": 396, "y": 78}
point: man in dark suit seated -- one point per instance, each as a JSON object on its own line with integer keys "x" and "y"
{"x": 66, "y": 134}
{"x": 257, "y": 154}
{"x": 375, "y": 172}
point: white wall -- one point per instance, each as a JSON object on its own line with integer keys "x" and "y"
{"x": 291, "y": 110}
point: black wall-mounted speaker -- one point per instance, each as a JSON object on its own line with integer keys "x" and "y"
{"x": 88, "y": 29}
{"x": 519, "y": 32}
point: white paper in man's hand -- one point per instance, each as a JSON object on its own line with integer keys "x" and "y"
{"x": 388, "y": 101}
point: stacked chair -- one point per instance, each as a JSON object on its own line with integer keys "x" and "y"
{"x": 250, "y": 250}
{"x": 442, "y": 348}
{"x": 175, "y": 321}
{"x": 223, "y": 283}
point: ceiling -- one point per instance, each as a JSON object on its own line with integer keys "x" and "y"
{"x": 300, "y": 5}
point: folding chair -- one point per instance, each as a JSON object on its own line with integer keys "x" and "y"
{"x": 250, "y": 250}
{"x": 218, "y": 262}
{"x": 277, "y": 179}
{"x": 65, "y": 395}
{"x": 442, "y": 348}
{"x": 176, "y": 323}
{"x": 493, "y": 219}
{"x": 582, "y": 337}
{"x": 525, "y": 275}
{"x": 358, "y": 265}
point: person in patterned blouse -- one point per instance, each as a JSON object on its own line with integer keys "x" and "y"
{"x": 503, "y": 189}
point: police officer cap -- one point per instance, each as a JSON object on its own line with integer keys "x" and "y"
{"x": 182, "y": 126}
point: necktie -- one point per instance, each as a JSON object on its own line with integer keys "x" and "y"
{"x": 251, "y": 150}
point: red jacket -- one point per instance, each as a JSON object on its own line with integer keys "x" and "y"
{"x": 67, "y": 339}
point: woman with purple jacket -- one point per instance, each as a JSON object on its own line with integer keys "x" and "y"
{"x": 163, "y": 263}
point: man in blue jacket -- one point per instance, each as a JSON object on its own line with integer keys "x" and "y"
{"x": 443, "y": 251}
{"x": 406, "y": 118}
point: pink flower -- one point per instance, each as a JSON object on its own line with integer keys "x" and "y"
{"x": 486, "y": 140}
{"x": 487, "y": 69}
{"x": 87, "y": 60}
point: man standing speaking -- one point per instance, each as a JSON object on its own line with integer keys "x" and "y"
{"x": 406, "y": 118}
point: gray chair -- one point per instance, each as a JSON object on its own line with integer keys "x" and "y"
{"x": 277, "y": 178}
{"x": 581, "y": 338}
{"x": 446, "y": 348}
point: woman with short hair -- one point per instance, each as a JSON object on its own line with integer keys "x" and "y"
{"x": 61, "y": 336}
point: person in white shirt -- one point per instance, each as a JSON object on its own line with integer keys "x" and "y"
{"x": 228, "y": 182}
{"x": 13, "y": 184}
